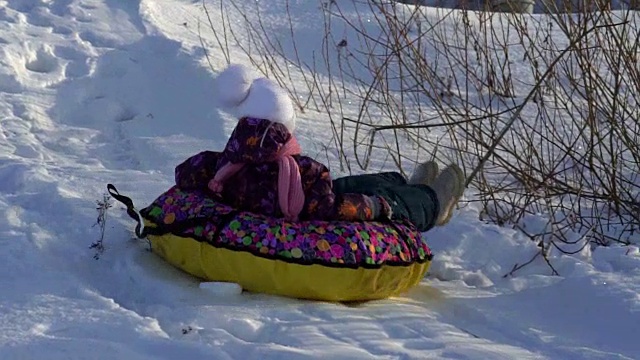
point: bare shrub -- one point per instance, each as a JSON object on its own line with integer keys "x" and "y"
{"x": 102, "y": 207}
{"x": 542, "y": 111}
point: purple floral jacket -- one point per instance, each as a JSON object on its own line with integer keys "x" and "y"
{"x": 254, "y": 188}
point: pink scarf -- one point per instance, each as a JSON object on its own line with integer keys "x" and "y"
{"x": 290, "y": 193}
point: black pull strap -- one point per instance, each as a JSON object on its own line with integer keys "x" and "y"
{"x": 131, "y": 210}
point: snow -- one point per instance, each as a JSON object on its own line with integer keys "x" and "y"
{"x": 222, "y": 288}
{"x": 108, "y": 91}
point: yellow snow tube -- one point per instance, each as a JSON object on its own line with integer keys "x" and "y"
{"x": 331, "y": 261}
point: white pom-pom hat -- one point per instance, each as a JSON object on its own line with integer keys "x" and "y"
{"x": 241, "y": 92}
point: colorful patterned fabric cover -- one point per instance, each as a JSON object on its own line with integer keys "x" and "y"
{"x": 337, "y": 243}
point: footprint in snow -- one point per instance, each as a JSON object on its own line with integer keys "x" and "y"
{"x": 100, "y": 40}
{"x": 60, "y": 7}
{"x": 78, "y": 63}
{"x": 48, "y": 65}
{"x": 44, "y": 61}
{"x": 62, "y": 30}
{"x": 24, "y": 6}
{"x": 40, "y": 17}
{"x": 8, "y": 18}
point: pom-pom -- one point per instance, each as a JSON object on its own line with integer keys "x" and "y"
{"x": 232, "y": 85}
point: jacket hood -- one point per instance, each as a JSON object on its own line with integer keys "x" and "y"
{"x": 255, "y": 141}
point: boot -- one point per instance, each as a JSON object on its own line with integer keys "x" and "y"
{"x": 424, "y": 173}
{"x": 449, "y": 187}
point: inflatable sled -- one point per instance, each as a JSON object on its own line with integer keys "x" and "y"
{"x": 332, "y": 261}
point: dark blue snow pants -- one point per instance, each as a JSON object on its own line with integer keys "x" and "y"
{"x": 416, "y": 203}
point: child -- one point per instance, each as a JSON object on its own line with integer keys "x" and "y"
{"x": 261, "y": 169}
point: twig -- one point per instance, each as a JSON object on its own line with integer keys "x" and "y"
{"x": 526, "y": 100}
{"x": 102, "y": 207}
{"x": 517, "y": 266}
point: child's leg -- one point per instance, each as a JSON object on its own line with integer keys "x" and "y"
{"x": 418, "y": 203}
{"x": 360, "y": 183}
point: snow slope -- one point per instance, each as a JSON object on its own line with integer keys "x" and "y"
{"x": 110, "y": 91}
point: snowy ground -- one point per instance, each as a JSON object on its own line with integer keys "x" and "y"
{"x": 99, "y": 91}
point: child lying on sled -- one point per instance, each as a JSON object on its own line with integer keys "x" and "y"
{"x": 261, "y": 170}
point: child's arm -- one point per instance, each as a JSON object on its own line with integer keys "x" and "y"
{"x": 324, "y": 204}
{"x": 196, "y": 171}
